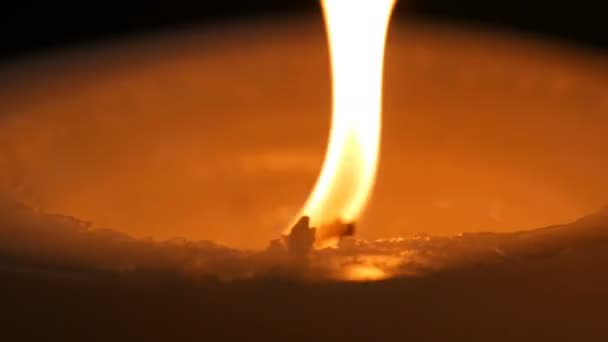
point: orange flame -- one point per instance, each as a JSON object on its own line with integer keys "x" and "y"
{"x": 357, "y": 33}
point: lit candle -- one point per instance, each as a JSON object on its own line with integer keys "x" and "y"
{"x": 221, "y": 134}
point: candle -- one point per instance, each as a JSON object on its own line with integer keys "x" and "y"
{"x": 220, "y": 135}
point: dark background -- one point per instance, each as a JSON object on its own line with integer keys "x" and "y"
{"x": 27, "y": 28}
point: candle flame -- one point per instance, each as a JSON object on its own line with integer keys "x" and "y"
{"x": 365, "y": 273}
{"x": 357, "y": 32}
